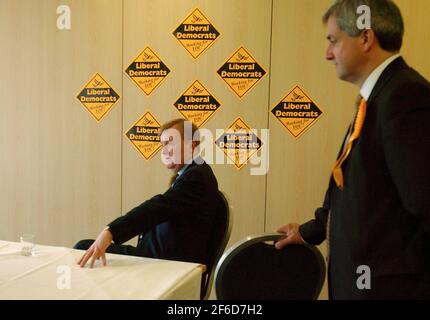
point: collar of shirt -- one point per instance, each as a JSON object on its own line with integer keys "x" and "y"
{"x": 182, "y": 170}
{"x": 371, "y": 80}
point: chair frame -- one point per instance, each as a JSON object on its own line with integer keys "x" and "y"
{"x": 257, "y": 238}
{"x": 210, "y": 277}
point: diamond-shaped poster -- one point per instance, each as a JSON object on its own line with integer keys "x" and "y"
{"x": 196, "y": 33}
{"x": 197, "y": 104}
{"x": 98, "y": 97}
{"x": 144, "y": 135}
{"x": 241, "y": 72}
{"x": 239, "y": 143}
{"x": 147, "y": 71}
{"x": 297, "y": 112}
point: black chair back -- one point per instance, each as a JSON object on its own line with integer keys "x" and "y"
{"x": 255, "y": 270}
{"x": 218, "y": 241}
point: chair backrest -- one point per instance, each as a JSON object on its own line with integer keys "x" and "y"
{"x": 218, "y": 241}
{"x": 252, "y": 269}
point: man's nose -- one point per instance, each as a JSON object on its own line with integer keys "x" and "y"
{"x": 329, "y": 54}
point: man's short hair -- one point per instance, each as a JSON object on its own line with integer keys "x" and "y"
{"x": 386, "y": 20}
{"x": 181, "y": 123}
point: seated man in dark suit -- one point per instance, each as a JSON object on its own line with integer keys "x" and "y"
{"x": 175, "y": 225}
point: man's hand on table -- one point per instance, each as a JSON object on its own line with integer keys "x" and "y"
{"x": 97, "y": 249}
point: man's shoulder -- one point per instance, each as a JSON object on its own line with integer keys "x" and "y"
{"x": 398, "y": 74}
{"x": 405, "y": 92}
{"x": 408, "y": 84}
{"x": 199, "y": 166}
{"x": 202, "y": 173}
{"x": 410, "y": 76}
{"x": 405, "y": 76}
{"x": 399, "y": 82}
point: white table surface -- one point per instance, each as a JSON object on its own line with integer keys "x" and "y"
{"x": 46, "y": 275}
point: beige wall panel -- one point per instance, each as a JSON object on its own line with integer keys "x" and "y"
{"x": 299, "y": 167}
{"x": 416, "y": 43}
{"x": 151, "y": 23}
{"x": 60, "y": 170}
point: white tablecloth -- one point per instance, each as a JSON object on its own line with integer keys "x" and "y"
{"x": 53, "y": 274}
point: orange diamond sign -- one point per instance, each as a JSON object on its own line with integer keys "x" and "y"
{"x": 147, "y": 71}
{"x": 297, "y": 111}
{"x": 196, "y": 33}
{"x": 98, "y": 97}
{"x": 197, "y": 104}
{"x": 144, "y": 135}
{"x": 241, "y": 72}
{"x": 239, "y": 143}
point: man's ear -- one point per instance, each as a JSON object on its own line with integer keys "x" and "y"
{"x": 369, "y": 39}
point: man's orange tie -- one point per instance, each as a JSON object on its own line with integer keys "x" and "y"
{"x": 358, "y": 124}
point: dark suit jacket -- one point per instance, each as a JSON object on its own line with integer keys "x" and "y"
{"x": 382, "y": 217}
{"x": 175, "y": 225}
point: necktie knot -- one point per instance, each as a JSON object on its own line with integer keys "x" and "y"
{"x": 359, "y": 119}
{"x": 357, "y": 126}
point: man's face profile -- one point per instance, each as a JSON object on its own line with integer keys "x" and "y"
{"x": 344, "y": 51}
{"x": 172, "y": 148}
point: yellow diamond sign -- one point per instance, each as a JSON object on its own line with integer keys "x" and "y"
{"x": 239, "y": 143}
{"x": 147, "y": 71}
{"x": 98, "y": 97}
{"x": 144, "y": 135}
{"x": 297, "y": 111}
{"x": 197, "y": 104}
{"x": 241, "y": 72}
{"x": 196, "y": 33}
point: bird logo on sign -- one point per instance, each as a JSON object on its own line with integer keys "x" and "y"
{"x": 296, "y": 96}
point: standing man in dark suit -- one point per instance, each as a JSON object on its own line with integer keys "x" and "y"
{"x": 175, "y": 225}
{"x": 376, "y": 213}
